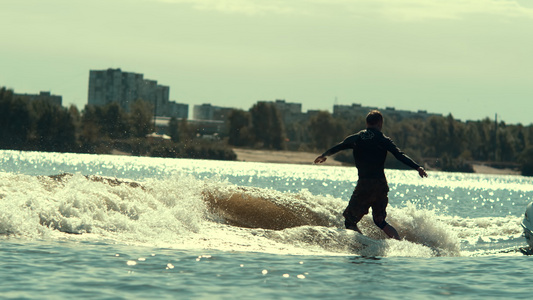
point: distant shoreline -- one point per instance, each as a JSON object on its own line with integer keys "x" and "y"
{"x": 307, "y": 158}
{"x": 281, "y": 157}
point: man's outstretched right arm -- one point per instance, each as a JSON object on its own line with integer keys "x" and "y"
{"x": 422, "y": 172}
{"x": 320, "y": 159}
{"x": 346, "y": 144}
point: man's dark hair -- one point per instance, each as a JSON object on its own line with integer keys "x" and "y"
{"x": 374, "y": 117}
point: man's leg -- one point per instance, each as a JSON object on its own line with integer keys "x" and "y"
{"x": 356, "y": 210}
{"x": 379, "y": 212}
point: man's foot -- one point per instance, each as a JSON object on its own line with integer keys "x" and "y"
{"x": 391, "y": 232}
{"x": 354, "y": 227}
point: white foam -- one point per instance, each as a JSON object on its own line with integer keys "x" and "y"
{"x": 172, "y": 212}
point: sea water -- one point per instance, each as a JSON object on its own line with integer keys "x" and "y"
{"x": 120, "y": 227}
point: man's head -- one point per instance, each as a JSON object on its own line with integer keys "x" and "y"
{"x": 374, "y": 119}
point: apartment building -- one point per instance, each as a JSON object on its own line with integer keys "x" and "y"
{"x": 357, "y": 110}
{"x": 43, "y": 96}
{"x": 114, "y": 85}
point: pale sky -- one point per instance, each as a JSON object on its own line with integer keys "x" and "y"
{"x": 470, "y": 58}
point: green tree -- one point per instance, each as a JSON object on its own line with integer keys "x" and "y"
{"x": 113, "y": 122}
{"x": 483, "y": 147}
{"x": 173, "y": 129}
{"x": 528, "y": 132}
{"x": 455, "y": 136}
{"x": 298, "y": 134}
{"x": 505, "y": 144}
{"x": 15, "y": 121}
{"x": 405, "y": 133}
{"x": 76, "y": 120}
{"x": 526, "y": 160}
{"x": 90, "y": 126}
{"x": 141, "y": 118}
{"x": 239, "y": 128}
{"x": 267, "y": 126}
{"x": 471, "y": 150}
{"x": 187, "y": 133}
{"x": 520, "y": 143}
{"x": 324, "y": 130}
{"x": 445, "y": 136}
{"x": 54, "y": 127}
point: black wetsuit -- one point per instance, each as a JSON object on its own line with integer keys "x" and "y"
{"x": 370, "y": 148}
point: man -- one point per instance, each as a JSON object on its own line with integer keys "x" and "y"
{"x": 370, "y": 148}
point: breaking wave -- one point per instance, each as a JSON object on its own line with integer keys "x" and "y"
{"x": 184, "y": 212}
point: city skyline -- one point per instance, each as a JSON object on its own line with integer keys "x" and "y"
{"x": 468, "y": 58}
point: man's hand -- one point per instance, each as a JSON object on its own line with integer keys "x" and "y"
{"x": 320, "y": 159}
{"x": 422, "y": 172}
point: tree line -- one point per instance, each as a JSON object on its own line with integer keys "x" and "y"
{"x": 43, "y": 126}
{"x": 440, "y": 142}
